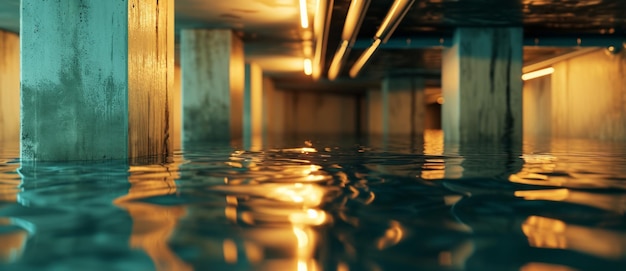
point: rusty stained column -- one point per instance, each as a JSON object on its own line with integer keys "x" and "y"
{"x": 482, "y": 85}
{"x": 213, "y": 77}
{"x": 96, "y": 79}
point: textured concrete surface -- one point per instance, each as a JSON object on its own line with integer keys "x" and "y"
{"x": 150, "y": 76}
{"x": 9, "y": 87}
{"x": 482, "y": 87}
{"x": 403, "y": 106}
{"x": 588, "y": 94}
{"x": 213, "y": 76}
{"x": 253, "y": 106}
{"x": 102, "y": 82}
{"x": 313, "y": 113}
{"x": 177, "y": 117}
{"x": 537, "y": 107}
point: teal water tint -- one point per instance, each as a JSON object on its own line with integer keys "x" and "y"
{"x": 323, "y": 204}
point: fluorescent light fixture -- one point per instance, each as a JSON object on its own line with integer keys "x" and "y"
{"x": 335, "y": 66}
{"x": 354, "y": 18}
{"x": 358, "y": 65}
{"x": 537, "y": 73}
{"x": 304, "y": 15}
{"x": 352, "y": 24}
{"x": 308, "y": 66}
{"x": 394, "y": 17}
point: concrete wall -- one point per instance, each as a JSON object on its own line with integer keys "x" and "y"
{"x": 274, "y": 105}
{"x": 583, "y": 98}
{"x": 537, "y": 107}
{"x": 589, "y": 97}
{"x": 375, "y": 111}
{"x": 299, "y": 112}
{"x": 9, "y": 87}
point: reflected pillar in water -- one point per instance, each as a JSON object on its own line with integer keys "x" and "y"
{"x": 212, "y": 63}
{"x": 403, "y": 106}
{"x": 9, "y": 87}
{"x": 96, "y": 77}
{"x": 154, "y": 224}
{"x": 253, "y": 107}
{"x": 482, "y": 85}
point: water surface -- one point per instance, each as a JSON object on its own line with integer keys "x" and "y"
{"x": 323, "y": 204}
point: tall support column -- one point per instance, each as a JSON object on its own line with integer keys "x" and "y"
{"x": 96, "y": 77}
{"x": 212, "y": 63}
{"x": 403, "y": 106}
{"x": 253, "y": 107}
{"x": 9, "y": 87}
{"x": 482, "y": 85}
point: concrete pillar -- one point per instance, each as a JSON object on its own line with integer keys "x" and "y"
{"x": 177, "y": 104}
{"x": 403, "y": 106}
{"x": 482, "y": 85}
{"x": 253, "y": 107}
{"x": 212, "y": 63}
{"x": 96, "y": 77}
{"x": 9, "y": 87}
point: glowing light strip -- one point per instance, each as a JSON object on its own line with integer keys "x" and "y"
{"x": 304, "y": 15}
{"x": 335, "y": 66}
{"x": 537, "y": 73}
{"x": 358, "y": 65}
{"x": 308, "y": 66}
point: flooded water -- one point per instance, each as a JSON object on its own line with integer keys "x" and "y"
{"x": 323, "y": 204}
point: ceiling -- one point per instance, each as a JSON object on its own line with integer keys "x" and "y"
{"x": 274, "y": 39}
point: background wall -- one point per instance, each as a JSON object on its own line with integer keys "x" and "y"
{"x": 585, "y": 97}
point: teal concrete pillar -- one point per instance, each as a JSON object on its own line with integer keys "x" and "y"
{"x": 96, "y": 77}
{"x": 213, "y": 75}
{"x": 253, "y": 107}
{"x": 482, "y": 86}
{"x": 9, "y": 87}
{"x": 403, "y": 106}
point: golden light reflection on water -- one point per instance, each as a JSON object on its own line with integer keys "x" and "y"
{"x": 393, "y": 236}
{"x": 13, "y": 243}
{"x": 433, "y": 168}
{"x": 153, "y": 225}
{"x": 543, "y": 232}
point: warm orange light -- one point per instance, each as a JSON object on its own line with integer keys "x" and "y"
{"x": 304, "y": 15}
{"x": 440, "y": 100}
{"x": 538, "y": 73}
{"x": 358, "y": 65}
{"x": 308, "y": 66}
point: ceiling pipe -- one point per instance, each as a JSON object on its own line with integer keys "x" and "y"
{"x": 321, "y": 27}
{"x": 352, "y": 24}
{"x": 394, "y": 16}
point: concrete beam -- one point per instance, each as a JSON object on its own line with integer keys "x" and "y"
{"x": 96, "y": 77}
{"x": 446, "y": 40}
